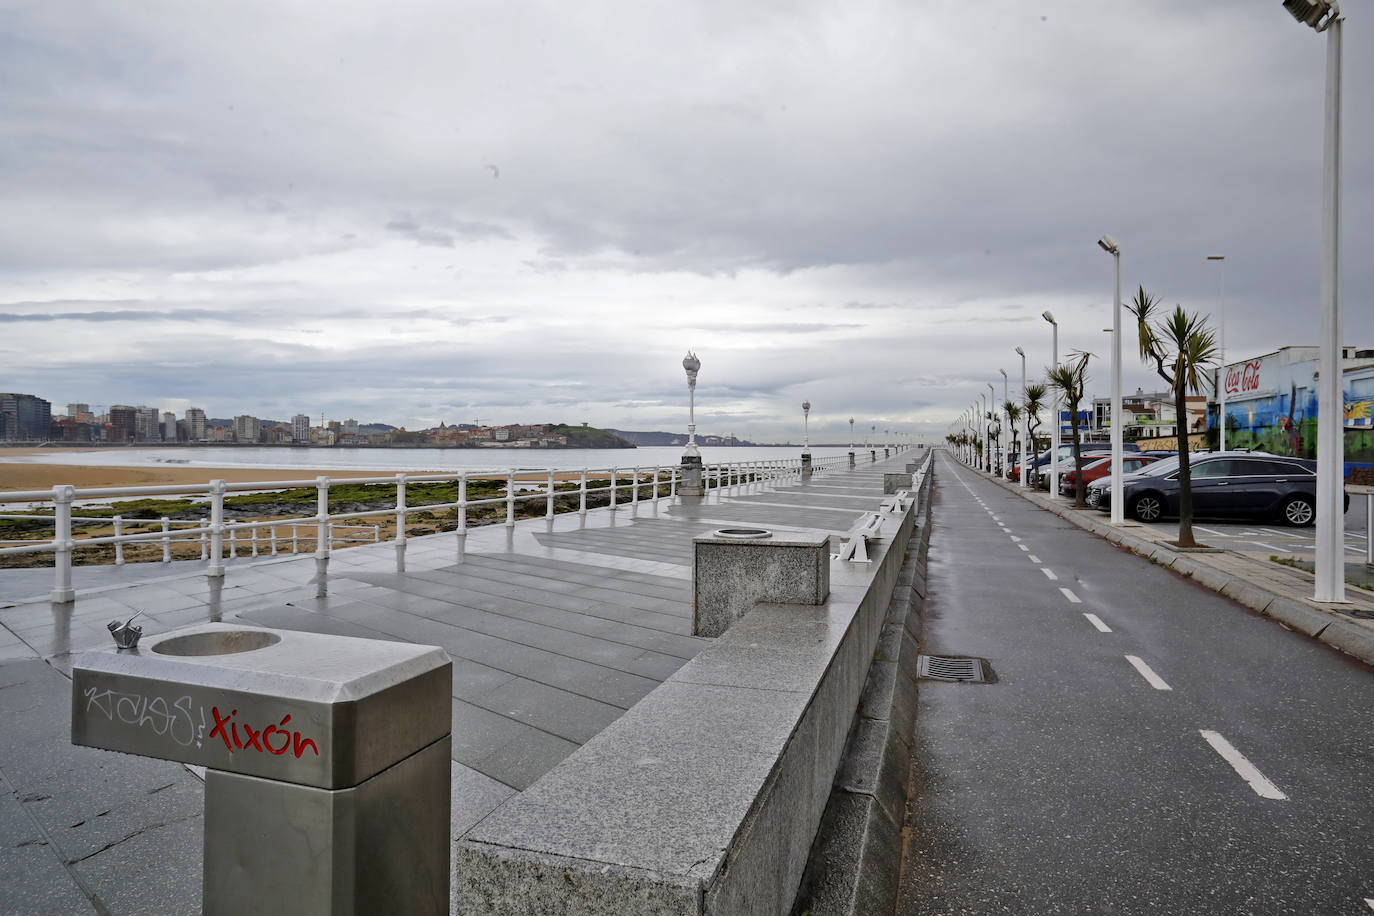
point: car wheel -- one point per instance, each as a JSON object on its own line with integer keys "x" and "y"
{"x": 1147, "y": 508}
{"x": 1298, "y": 511}
{"x": 1093, "y": 497}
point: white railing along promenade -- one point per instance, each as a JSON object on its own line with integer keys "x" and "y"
{"x": 218, "y": 539}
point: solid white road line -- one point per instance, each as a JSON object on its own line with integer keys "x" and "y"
{"x": 1070, "y": 595}
{"x": 1154, "y": 680}
{"x": 1033, "y": 558}
{"x": 1097, "y": 622}
{"x": 1263, "y": 787}
{"x": 1049, "y": 573}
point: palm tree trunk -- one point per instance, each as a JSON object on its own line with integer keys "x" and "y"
{"x": 1185, "y": 471}
{"x": 1079, "y": 490}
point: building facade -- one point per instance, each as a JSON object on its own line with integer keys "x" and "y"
{"x": 24, "y": 418}
{"x": 247, "y": 428}
{"x": 1271, "y": 406}
{"x": 196, "y": 427}
{"x": 300, "y": 429}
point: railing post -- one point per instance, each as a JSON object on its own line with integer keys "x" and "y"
{"x": 634, "y": 493}
{"x": 656, "y": 470}
{"x": 216, "y": 569}
{"x": 582, "y": 495}
{"x": 612, "y": 489}
{"x": 233, "y": 543}
{"x": 548, "y": 506}
{"x": 166, "y": 539}
{"x": 295, "y": 538}
{"x": 119, "y": 545}
{"x": 322, "y": 536}
{"x": 400, "y": 523}
{"x": 62, "y": 591}
{"x": 253, "y": 533}
{"x": 273, "y": 539}
{"x": 204, "y": 549}
{"x": 510, "y": 499}
{"x": 462, "y": 508}
{"x": 672, "y": 483}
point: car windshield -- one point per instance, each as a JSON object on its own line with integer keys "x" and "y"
{"x": 1098, "y": 462}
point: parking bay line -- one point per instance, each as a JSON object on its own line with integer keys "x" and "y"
{"x": 1097, "y": 622}
{"x": 1243, "y": 767}
{"x": 1154, "y": 680}
{"x": 1068, "y": 593}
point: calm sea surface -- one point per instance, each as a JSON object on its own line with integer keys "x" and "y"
{"x": 409, "y": 459}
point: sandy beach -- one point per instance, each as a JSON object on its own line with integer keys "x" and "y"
{"x": 26, "y": 476}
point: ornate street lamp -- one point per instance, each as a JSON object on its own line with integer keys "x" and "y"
{"x": 692, "y": 483}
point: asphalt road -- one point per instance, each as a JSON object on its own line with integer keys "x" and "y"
{"x": 1146, "y": 747}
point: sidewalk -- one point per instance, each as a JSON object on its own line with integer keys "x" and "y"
{"x": 1274, "y": 590}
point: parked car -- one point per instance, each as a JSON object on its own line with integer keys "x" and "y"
{"x": 1224, "y": 485}
{"x": 1102, "y": 467}
{"x": 1090, "y": 451}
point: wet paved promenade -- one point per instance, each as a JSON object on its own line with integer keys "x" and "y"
{"x": 554, "y": 633}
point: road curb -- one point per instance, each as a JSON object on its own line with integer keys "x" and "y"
{"x": 1327, "y": 625}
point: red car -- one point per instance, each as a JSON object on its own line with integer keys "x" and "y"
{"x": 1101, "y": 467}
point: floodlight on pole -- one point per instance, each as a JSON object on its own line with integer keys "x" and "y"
{"x": 1110, "y": 246}
{"x": 1054, "y": 431}
{"x": 987, "y": 445}
{"x": 1025, "y": 423}
{"x": 1221, "y": 354}
{"x": 1325, "y": 16}
{"x": 1006, "y": 446}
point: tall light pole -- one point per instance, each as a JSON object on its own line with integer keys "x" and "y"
{"x": 806, "y": 427}
{"x": 1006, "y": 427}
{"x": 1325, "y": 16}
{"x": 1025, "y": 423}
{"x": 992, "y": 401}
{"x": 1110, "y": 246}
{"x": 982, "y": 415}
{"x": 1054, "y": 431}
{"x": 691, "y": 455}
{"x": 1221, "y": 348}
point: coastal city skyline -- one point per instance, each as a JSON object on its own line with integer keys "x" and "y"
{"x": 535, "y": 213}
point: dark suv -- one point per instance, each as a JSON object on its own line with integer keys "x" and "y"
{"x": 1224, "y": 485}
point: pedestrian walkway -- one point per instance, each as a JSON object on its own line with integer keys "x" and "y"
{"x": 555, "y": 630}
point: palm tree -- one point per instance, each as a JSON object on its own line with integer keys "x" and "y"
{"x": 1013, "y": 413}
{"x": 1180, "y": 345}
{"x": 1070, "y": 378}
{"x": 1034, "y": 403}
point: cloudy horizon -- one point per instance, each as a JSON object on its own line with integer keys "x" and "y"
{"x": 436, "y": 212}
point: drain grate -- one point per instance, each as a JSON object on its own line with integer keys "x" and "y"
{"x": 1362, "y": 614}
{"x": 946, "y": 668}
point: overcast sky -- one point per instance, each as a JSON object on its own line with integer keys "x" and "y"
{"x": 411, "y": 212}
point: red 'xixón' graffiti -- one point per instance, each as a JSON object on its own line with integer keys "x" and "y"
{"x": 260, "y": 740}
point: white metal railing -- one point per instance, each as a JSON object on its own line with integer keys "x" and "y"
{"x": 213, "y": 538}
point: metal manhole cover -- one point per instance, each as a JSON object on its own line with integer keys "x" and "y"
{"x": 946, "y": 668}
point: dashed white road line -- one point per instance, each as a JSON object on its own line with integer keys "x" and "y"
{"x": 1370, "y": 901}
{"x": 1014, "y": 538}
{"x": 1097, "y": 622}
{"x": 1049, "y": 573}
{"x": 1154, "y": 680}
{"x": 1024, "y": 547}
{"x": 1247, "y": 771}
{"x": 1068, "y": 593}
{"x": 1033, "y": 558}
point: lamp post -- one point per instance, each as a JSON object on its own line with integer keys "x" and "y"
{"x": 1221, "y": 348}
{"x": 1025, "y": 423}
{"x": 982, "y": 416}
{"x": 1054, "y": 430}
{"x": 992, "y": 400}
{"x": 1110, "y": 246}
{"x": 1006, "y": 446}
{"x": 851, "y": 442}
{"x": 691, "y": 456}
{"x": 1325, "y": 16}
{"x": 806, "y": 440}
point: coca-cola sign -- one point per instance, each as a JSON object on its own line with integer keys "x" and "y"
{"x": 1243, "y": 377}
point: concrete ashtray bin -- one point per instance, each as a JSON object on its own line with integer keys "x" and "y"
{"x": 734, "y": 569}
{"x": 327, "y": 760}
